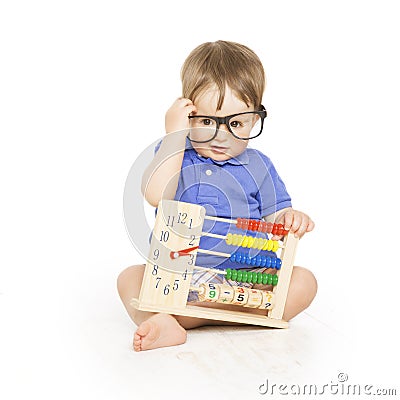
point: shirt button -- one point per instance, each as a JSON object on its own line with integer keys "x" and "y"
{"x": 209, "y": 172}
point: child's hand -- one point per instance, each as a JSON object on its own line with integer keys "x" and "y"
{"x": 295, "y": 221}
{"x": 176, "y": 118}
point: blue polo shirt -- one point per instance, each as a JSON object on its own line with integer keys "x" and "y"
{"x": 247, "y": 186}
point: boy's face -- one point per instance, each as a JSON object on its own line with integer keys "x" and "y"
{"x": 224, "y": 146}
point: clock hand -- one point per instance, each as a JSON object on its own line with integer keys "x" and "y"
{"x": 185, "y": 252}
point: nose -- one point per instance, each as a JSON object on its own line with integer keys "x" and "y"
{"x": 223, "y": 128}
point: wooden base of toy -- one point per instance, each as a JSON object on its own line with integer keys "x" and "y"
{"x": 166, "y": 279}
{"x": 214, "y": 314}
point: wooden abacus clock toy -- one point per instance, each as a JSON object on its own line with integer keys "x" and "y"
{"x": 172, "y": 261}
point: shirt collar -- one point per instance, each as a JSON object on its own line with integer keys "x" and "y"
{"x": 241, "y": 159}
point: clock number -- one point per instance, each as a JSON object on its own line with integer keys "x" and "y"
{"x": 175, "y": 287}
{"x": 170, "y": 221}
{"x": 190, "y": 223}
{"x": 193, "y": 237}
{"x": 184, "y": 275}
{"x": 158, "y": 281}
{"x": 240, "y": 297}
{"x": 156, "y": 254}
{"x": 155, "y": 270}
{"x": 190, "y": 262}
{"x": 166, "y": 289}
{"x": 267, "y": 305}
{"x": 182, "y": 218}
{"x": 164, "y": 236}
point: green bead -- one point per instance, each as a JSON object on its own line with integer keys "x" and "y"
{"x": 274, "y": 279}
{"x": 254, "y": 280}
{"x": 244, "y": 276}
{"x": 269, "y": 280}
{"x": 239, "y": 276}
{"x": 228, "y": 273}
{"x": 259, "y": 277}
{"x": 234, "y": 275}
{"x": 265, "y": 279}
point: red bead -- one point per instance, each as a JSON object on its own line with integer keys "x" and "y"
{"x": 280, "y": 229}
{"x": 269, "y": 227}
{"x": 239, "y": 223}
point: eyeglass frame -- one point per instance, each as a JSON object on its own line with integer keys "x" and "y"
{"x": 225, "y": 121}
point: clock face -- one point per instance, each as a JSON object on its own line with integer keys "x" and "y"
{"x": 176, "y": 235}
{"x": 172, "y": 255}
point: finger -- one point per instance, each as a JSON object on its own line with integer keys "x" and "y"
{"x": 297, "y": 218}
{"x": 311, "y": 225}
{"x": 190, "y": 108}
{"x": 184, "y": 101}
{"x": 288, "y": 220}
{"x": 303, "y": 227}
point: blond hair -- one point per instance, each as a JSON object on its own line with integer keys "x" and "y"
{"x": 222, "y": 64}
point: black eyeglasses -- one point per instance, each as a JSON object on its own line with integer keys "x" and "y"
{"x": 243, "y": 126}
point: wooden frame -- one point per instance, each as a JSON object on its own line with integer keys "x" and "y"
{"x": 166, "y": 280}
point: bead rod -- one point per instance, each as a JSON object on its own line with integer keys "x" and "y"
{"x": 230, "y": 221}
{"x": 214, "y": 235}
{"x": 216, "y": 271}
{"x": 214, "y": 253}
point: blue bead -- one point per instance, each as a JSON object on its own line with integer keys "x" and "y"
{"x": 259, "y": 261}
{"x": 254, "y": 261}
{"x": 273, "y": 262}
{"x": 233, "y": 257}
{"x": 244, "y": 259}
{"x": 268, "y": 262}
{"x": 238, "y": 257}
{"x": 278, "y": 263}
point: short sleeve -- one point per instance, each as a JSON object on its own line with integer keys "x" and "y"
{"x": 272, "y": 194}
{"x": 157, "y": 146}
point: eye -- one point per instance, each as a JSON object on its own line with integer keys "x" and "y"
{"x": 236, "y": 124}
{"x": 206, "y": 121}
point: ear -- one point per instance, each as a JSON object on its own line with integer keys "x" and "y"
{"x": 255, "y": 120}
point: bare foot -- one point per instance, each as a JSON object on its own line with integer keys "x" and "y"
{"x": 160, "y": 330}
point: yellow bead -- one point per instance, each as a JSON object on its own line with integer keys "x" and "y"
{"x": 228, "y": 239}
{"x": 251, "y": 241}
{"x": 235, "y": 239}
{"x": 276, "y": 246}
{"x": 245, "y": 241}
{"x": 265, "y": 244}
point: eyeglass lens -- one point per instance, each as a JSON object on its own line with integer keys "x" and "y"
{"x": 243, "y": 126}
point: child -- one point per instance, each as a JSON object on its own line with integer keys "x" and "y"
{"x": 204, "y": 159}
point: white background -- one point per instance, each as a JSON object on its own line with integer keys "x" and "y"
{"x": 84, "y": 87}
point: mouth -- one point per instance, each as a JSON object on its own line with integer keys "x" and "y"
{"x": 219, "y": 149}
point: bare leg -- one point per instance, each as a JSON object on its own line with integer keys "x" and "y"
{"x": 154, "y": 329}
{"x": 302, "y": 290}
{"x": 161, "y": 330}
